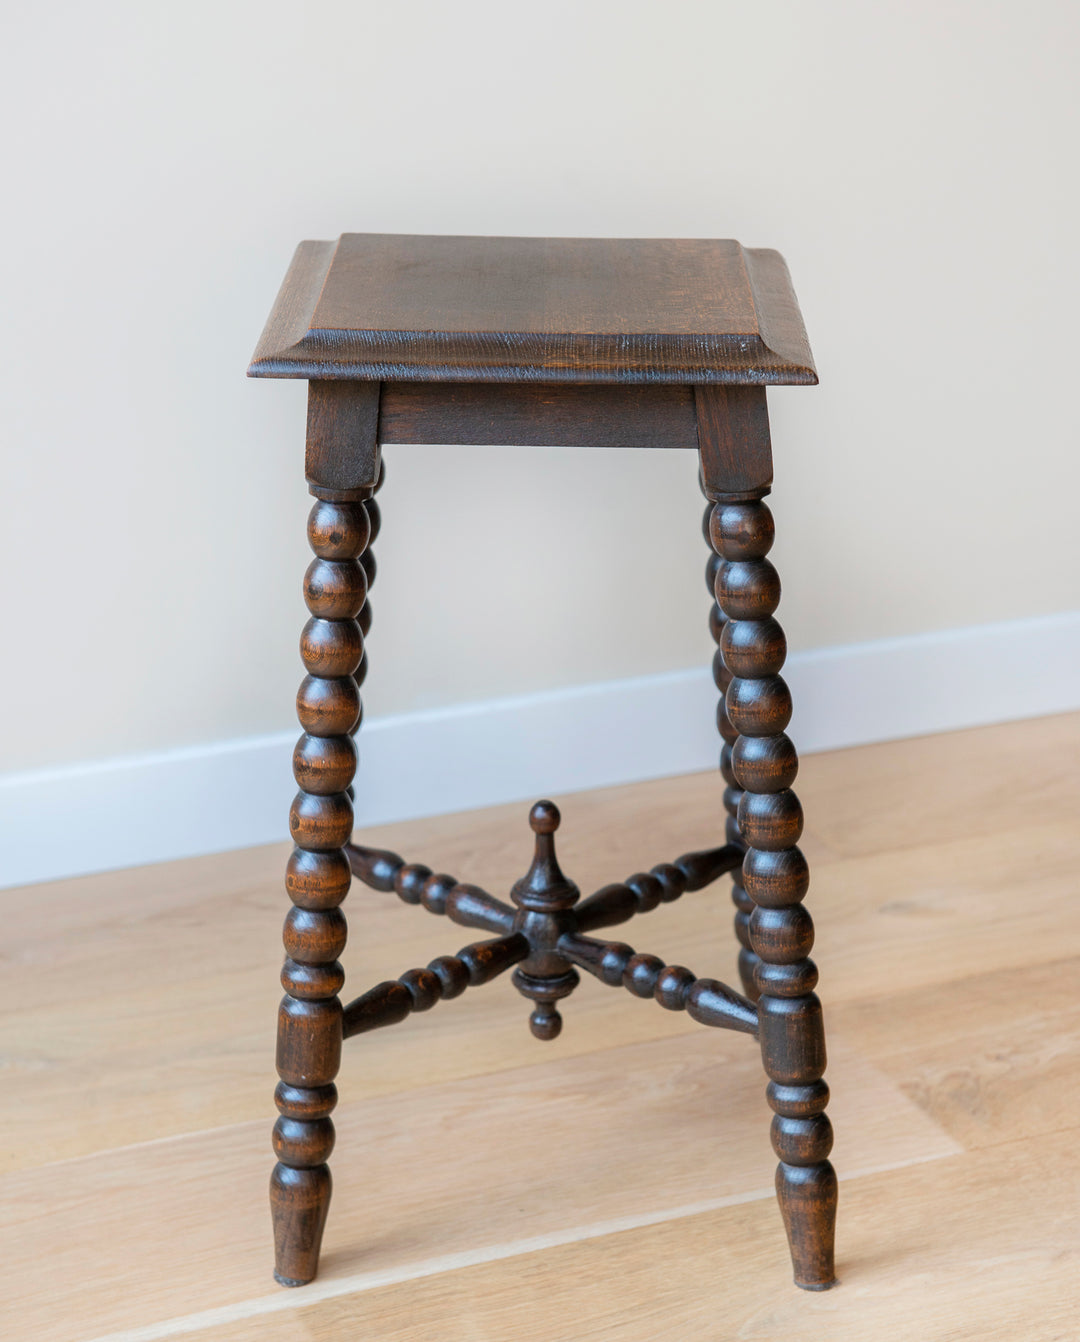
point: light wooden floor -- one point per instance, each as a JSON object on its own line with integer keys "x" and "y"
{"x": 615, "y": 1184}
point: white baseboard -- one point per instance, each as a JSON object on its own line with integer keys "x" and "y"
{"x": 84, "y": 818}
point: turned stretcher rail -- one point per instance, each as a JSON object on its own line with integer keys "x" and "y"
{"x": 662, "y": 885}
{"x": 673, "y": 986}
{"x": 472, "y": 907}
{"x": 438, "y": 893}
{"x": 419, "y": 989}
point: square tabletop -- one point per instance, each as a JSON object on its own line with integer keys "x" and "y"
{"x": 409, "y": 307}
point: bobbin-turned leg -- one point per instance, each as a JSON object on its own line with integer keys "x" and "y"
{"x": 317, "y": 879}
{"x": 776, "y": 877}
{"x": 748, "y": 959}
{"x": 367, "y": 560}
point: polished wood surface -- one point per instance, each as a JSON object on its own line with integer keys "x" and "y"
{"x": 546, "y": 932}
{"x": 342, "y": 450}
{"x": 134, "y": 1106}
{"x": 393, "y": 307}
{"x": 317, "y": 879}
{"x": 544, "y": 937}
{"x": 734, "y": 441}
{"x": 688, "y": 318}
{"x": 775, "y": 876}
{"x": 537, "y": 415}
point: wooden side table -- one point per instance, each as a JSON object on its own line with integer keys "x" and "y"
{"x": 559, "y": 342}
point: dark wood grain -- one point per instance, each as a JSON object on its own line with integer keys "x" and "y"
{"x": 419, "y": 989}
{"x": 290, "y": 317}
{"x": 537, "y": 415}
{"x": 416, "y": 884}
{"x": 744, "y": 906}
{"x": 367, "y": 561}
{"x": 663, "y": 884}
{"x": 546, "y": 342}
{"x": 342, "y": 459}
{"x": 317, "y": 880}
{"x": 734, "y": 441}
{"x": 545, "y": 900}
{"x": 673, "y": 986}
{"x": 779, "y": 319}
{"x": 415, "y": 308}
{"x": 775, "y": 878}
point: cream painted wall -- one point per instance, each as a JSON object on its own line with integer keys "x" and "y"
{"x": 915, "y": 161}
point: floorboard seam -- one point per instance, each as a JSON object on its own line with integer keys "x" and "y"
{"x": 360, "y": 1282}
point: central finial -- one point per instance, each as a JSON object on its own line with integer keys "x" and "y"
{"x": 544, "y": 888}
{"x": 544, "y": 898}
{"x": 545, "y": 818}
